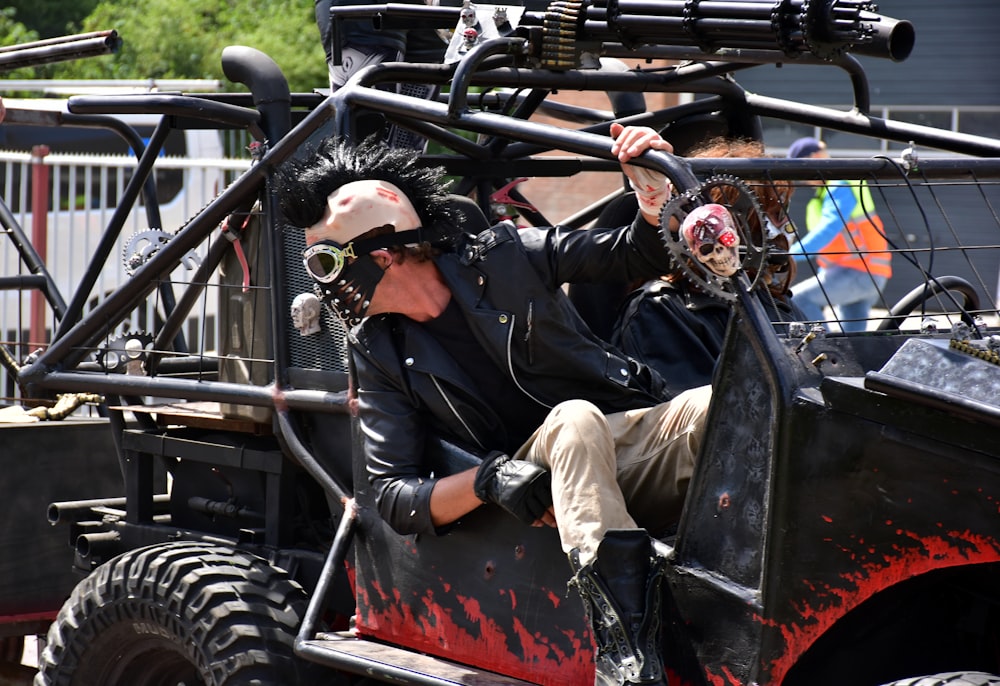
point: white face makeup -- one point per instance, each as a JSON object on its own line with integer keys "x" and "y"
{"x": 356, "y": 208}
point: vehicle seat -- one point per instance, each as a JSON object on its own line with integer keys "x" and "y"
{"x": 475, "y": 219}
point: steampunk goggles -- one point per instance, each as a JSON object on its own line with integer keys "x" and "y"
{"x": 325, "y": 260}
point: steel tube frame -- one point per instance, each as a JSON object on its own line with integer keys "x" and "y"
{"x": 65, "y": 351}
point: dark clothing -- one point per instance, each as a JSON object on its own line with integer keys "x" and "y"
{"x": 677, "y": 332}
{"x": 355, "y": 31}
{"x": 423, "y": 45}
{"x": 680, "y": 332}
{"x": 519, "y": 414}
{"x": 507, "y": 285}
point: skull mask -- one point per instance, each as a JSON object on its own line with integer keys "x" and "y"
{"x": 711, "y": 236}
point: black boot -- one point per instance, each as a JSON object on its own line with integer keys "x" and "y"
{"x": 621, "y": 593}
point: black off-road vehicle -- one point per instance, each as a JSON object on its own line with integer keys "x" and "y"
{"x": 842, "y": 523}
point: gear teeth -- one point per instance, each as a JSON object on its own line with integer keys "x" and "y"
{"x": 141, "y": 246}
{"x": 126, "y": 354}
{"x": 741, "y": 200}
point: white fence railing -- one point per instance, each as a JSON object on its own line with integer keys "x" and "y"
{"x": 83, "y": 198}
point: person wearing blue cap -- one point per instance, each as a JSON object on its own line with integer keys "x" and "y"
{"x": 847, "y": 245}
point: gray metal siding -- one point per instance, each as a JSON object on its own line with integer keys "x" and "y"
{"x": 955, "y": 61}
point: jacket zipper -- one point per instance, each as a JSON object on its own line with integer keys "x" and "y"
{"x": 510, "y": 364}
{"x": 510, "y": 368}
{"x": 528, "y": 341}
{"x": 455, "y": 412}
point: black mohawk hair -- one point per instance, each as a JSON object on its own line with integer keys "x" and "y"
{"x": 303, "y": 184}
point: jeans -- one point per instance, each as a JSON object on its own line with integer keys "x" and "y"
{"x": 850, "y": 292}
{"x": 619, "y": 471}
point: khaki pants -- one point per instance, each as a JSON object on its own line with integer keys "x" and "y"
{"x": 619, "y": 471}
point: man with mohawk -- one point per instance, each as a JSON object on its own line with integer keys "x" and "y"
{"x": 469, "y": 336}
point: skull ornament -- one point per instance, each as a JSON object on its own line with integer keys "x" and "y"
{"x": 305, "y": 314}
{"x": 711, "y": 236}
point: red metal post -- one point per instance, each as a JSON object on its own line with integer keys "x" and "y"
{"x": 40, "y": 193}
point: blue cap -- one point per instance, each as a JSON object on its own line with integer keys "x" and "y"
{"x": 804, "y": 147}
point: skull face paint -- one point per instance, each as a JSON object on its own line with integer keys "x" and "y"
{"x": 711, "y": 236}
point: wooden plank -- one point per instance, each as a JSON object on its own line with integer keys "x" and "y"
{"x": 199, "y": 415}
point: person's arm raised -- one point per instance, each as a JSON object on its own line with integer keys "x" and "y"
{"x": 651, "y": 187}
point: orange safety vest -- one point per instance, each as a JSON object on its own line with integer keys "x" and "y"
{"x": 863, "y": 245}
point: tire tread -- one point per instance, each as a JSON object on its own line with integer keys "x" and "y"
{"x": 241, "y": 612}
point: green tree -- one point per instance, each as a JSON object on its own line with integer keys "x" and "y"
{"x": 13, "y": 32}
{"x": 178, "y": 39}
{"x": 52, "y": 17}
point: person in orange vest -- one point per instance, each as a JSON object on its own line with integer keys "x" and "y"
{"x": 847, "y": 245}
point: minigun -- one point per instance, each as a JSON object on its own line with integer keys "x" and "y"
{"x": 824, "y": 29}
{"x": 560, "y": 34}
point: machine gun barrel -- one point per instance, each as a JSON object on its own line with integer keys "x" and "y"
{"x": 59, "y": 49}
{"x": 824, "y": 29}
{"x": 565, "y": 29}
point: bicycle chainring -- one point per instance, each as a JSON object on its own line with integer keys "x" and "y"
{"x": 742, "y": 203}
{"x": 126, "y": 354}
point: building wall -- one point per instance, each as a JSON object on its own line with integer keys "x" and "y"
{"x": 953, "y": 61}
{"x": 559, "y": 198}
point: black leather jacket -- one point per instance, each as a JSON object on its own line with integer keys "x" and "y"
{"x": 676, "y": 331}
{"x": 680, "y": 331}
{"x": 507, "y": 283}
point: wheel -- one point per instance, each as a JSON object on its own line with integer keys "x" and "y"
{"x": 950, "y": 679}
{"x": 178, "y": 614}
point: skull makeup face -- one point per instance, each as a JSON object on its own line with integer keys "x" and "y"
{"x": 711, "y": 236}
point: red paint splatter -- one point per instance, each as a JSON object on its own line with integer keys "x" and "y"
{"x": 352, "y": 574}
{"x": 554, "y": 599}
{"x": 675, "y": 679}
{"x": 30, "y": 617}
{"x": 387, "y": 194}
{"x": 957, "y": 548}
{"x": 435, "y": 631}
{"x": 727, "y": 678}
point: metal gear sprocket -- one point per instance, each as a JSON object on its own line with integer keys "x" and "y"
{"x": 142, "y": 245}
{"x": 126, "y": 354}
{"x": 742, "y": 203}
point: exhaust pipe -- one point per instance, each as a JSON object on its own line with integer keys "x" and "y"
{"x": 267, "y": 85}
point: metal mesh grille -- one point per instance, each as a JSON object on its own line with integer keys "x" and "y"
{"x": 326, "y": 350}
{"x": 401, "y": 138}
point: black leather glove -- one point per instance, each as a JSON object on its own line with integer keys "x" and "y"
{"x": 522, "y": 488}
